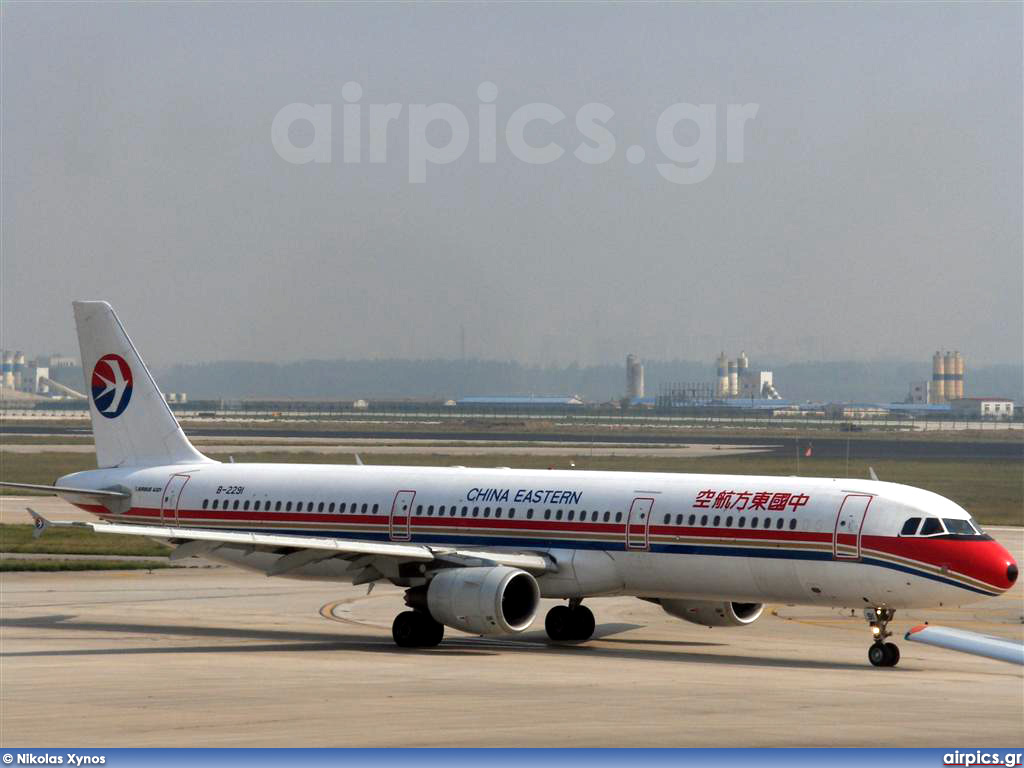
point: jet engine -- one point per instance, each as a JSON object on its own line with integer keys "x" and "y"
{"x": 484, "y": 600}
{"x": 712, "y": 614}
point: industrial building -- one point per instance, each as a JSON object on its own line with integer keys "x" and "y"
{"x": 998, "y": 408}
{"x": 736, "y": 380}
{"x": 32, "y": 378}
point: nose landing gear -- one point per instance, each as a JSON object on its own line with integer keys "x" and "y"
{"x": 881, "y": 653}
{"x": 572, "y": 623}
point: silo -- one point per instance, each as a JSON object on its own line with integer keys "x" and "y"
{"x": 950, "y": 377}
{"x": 8, "y": 370}
{"x": 734, "y": 382}
{"x": 638, "y": 379}
{"x": 722, "y": 385}
{"x": 19, "y": 369}
{"x": 959, "y": 361}
{"x": 938, "y": 379}
{"x": 742, "y": 372}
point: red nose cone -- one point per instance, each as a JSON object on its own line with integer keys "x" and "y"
{"x": 986, "y": 561}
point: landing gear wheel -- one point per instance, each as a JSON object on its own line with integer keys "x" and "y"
{"x": 558, "y": 623}
{"x": 414, "y": 629}
{"x": 894, "y": 654}
{"x": 583, "y": 624}
{"x": 881, "y": 653}
{"x": 574, "y": 624}
{"x": 877, "y": 655}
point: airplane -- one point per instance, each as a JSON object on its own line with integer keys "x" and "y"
{"x": 476, "y": 549}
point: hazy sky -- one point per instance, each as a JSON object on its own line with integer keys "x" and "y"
{"x": 877, "y": 211}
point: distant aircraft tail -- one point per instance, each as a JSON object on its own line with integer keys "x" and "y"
{"x": 131, "y": 422}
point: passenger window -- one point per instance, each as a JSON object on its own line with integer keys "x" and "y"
{"x": 792, "y": 524}
{"x": 593, "y": 517}
{"x": 512, "y": 513}
{"x": 728, "y": 522}
{"x": 309, "y": 506}
{"x": 476, "y": 511}
{"x": 529, "y": 514}
{"x": 320, "y": 507}
{"x": 497, "y": 511}
{"x": 693, "y": 519}
{"x": 487, "y": 511}
{"x": 235, "y": 506}
{"x": 341, "y": 506}
{"x": 206, "y": 503}
{"x": 779, "y": 523}
{"x": 364, "y": 509}
{"x": 618, "y": 517}
{"x": 246, "y": 505}
{"x": 430, "y": 509}
{"x": 329, "y": 509}
{"x": 214, "y": 503}
{"x": 910, "y": 527}
{"x": 558, "y": 515}
{"x": 703, "y": 519}
{"x": 547, "y": 514}
{"x": 679, "y": 519}
{"x": 440, "y": 510}
{"x": 716, "y": 521}
{"x": 607, "y": 516}
{"x": 277, "y": 506}
{"x": 753, "y": 522}
{"x": 572, "y": 513}
{"x": 375, "y": 508}
{"x": 767, "y": 522}
{"x": 742, "y": 521}
{"x": 288, "y": 507}
{"x": 419, "y": 509}
{"x": 931, "y": 526}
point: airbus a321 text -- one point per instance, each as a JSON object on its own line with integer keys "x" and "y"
{"x": 476, "y": 549}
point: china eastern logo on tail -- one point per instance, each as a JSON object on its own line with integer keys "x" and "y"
{"x": 111, "y": 385}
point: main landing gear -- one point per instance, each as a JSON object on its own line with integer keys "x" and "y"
{"x": 881, "y": 653}
{"x": 416, "y": 629}
{"x": 573, "y": 622}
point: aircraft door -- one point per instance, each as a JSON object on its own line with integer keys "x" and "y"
{"x": 638, "y": 522}
{"x": 849, "y": 522}
{"x": 401, "y": 516}
{"x": 169, "y": 499}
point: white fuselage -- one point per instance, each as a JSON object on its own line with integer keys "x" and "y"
{"x": 796, "y": 540}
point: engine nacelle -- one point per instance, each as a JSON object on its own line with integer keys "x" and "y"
{"x": 713, "y": 614}
{"x": 484, "y": 600}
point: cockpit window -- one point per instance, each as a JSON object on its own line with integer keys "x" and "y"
{"x": 910, "y": 527}
{"x": 962, "y": 527}
{"x": 931, "y": 526}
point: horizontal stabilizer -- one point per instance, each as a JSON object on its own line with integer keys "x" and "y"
{"x": 65, "y": 489}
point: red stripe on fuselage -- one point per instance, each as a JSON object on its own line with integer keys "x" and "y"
{"x": 980, "y": 559}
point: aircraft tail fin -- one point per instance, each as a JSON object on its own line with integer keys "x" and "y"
{"x": 131, "y": 422}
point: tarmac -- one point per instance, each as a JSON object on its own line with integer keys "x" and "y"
{"x": 212, "y": 656}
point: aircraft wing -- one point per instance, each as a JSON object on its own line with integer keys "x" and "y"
{"x": 296, "y": 551}
{"x": 969, "y": 642}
